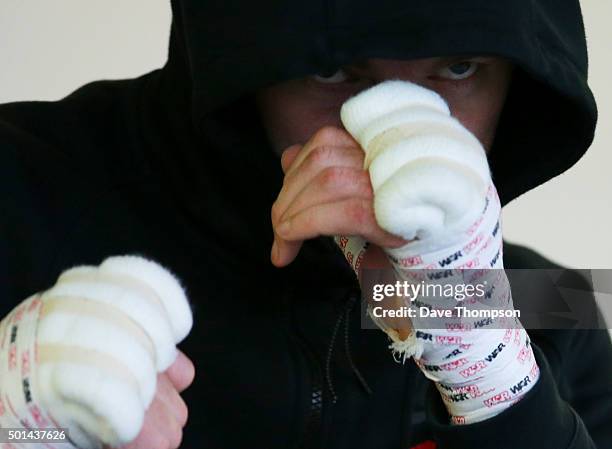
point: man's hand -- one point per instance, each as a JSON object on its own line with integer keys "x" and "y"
{"x": 167, "y": 414}
{"x": 326, "y": 191}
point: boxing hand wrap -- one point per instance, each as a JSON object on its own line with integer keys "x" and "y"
{"x": 432, "y": 185}
{"x": 84, "y": 355}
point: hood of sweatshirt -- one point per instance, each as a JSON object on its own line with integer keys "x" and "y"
{"x": 212, "y": 149}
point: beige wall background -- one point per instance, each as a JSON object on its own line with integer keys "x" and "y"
{"x": 49, "y": 48}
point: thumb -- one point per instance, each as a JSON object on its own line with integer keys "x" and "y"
{"x": 289, "y": 156}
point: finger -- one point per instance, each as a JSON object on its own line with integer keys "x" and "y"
{"x": 354, "y": 216}
{"x": 320, "y": 159}
{"x": 169, "y": 428}
{"x": 289, "y": 155}
{"x": 150, "y": 434}
{"x": 162, "y": 415}
{"x": 172, "y": 399}
{"x": 332, "y": 184}
{"x": 328, "y": 136}
{"x": 279, "y": 246}
{"x": 283, "y": 251}
{"x": 182, "y": 372}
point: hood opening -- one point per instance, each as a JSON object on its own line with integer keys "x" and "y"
{"x": 221, "y": 52}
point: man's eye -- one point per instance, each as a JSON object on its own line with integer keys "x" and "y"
{"x": 339, "y": 76}
{"x": 460, "y": 70}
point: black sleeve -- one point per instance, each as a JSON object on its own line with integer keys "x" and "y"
{"x": 570, "y": 407}
{"x": 43, "y": 191}
{"x": 28, "y": 232}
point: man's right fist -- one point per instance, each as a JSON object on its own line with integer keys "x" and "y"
{"x": 91, "y": 348}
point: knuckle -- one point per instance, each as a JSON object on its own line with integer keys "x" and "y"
{"x": 289, "y": 154}
{"x": 318, "y": 157}
{"x": 362, "y": 178}
{"x": 328, "y": 132}
{"x": 348, "y": 179}
{"x": 275, "y": 212}
{"x": 183, "y": 413}
{"x": 172, "y": 434}
{"x": 359, "y": 211}
{"x": 190, "y": 372}
{"x": 334, "y": 176}
{"x": 354, "y": 177}
{"x": 295, "y": 147}
{"x": 175, "y": 439}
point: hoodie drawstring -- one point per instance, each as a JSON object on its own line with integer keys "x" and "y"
{"x": 343, "y": 316}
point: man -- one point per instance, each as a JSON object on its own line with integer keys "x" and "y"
{"x": 182, "y": 165}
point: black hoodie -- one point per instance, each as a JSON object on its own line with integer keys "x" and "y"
{"x": 174, "y": 165}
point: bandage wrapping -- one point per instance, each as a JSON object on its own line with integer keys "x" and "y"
{"x": 432, "y": 185}
{"x": 84, "y": 355}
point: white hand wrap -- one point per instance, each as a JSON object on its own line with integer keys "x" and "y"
{"x": 431, "y": 182}
{"x": 89, "y": 350}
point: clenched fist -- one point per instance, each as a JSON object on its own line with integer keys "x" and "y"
{"x": 326, "y": 191}
{"x": 96, "y": 354}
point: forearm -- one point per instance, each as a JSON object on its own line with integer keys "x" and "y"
{"x": 542, "y": 419}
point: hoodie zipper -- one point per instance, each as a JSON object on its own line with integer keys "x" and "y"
{"x": 312, "y": 428}
{"x": 313, "y": 422}
{"x": 312, "y": 436}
